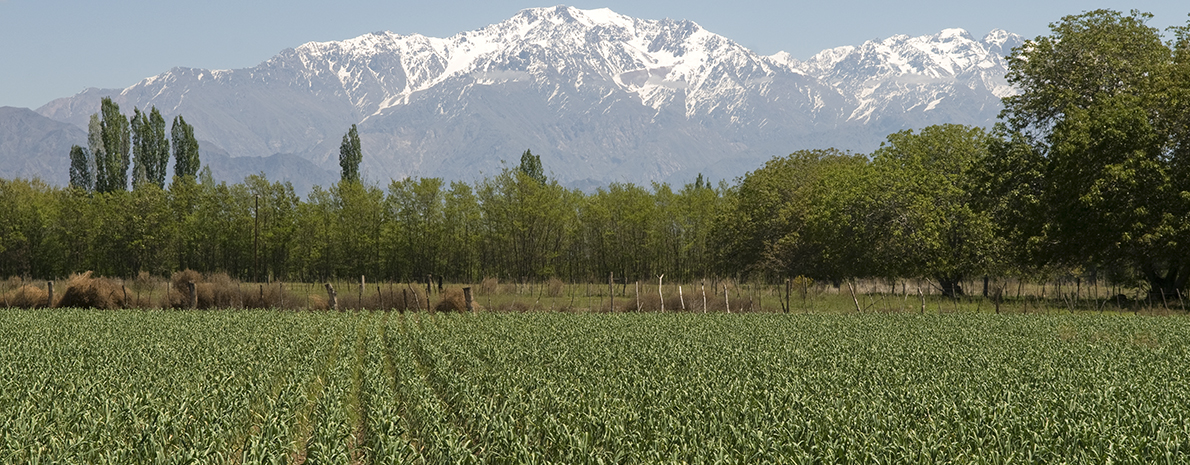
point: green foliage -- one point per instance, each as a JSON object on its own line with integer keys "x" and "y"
{"x": 112, "y": 162}
{"x": 1104, "y": 104}
{"x": 23, "y": 226}
{"x": 531, "y": 166}
{"x": 565, "y": 388}
{"x": 788, "y": 217}
{"x": 525, "y": 224}
{"x": 82, "y": 169}
{"x": 926, "y": 206}
{"x": 350, "y": 156}
{"x": 150, "y": 148}
{"x": 416, "y": 227}
{"x": 185, "y": 147}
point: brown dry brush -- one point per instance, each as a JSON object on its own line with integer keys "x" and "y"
{"x": 382, "y": 297}
{"x": 86, "y": 291}
{"x": 554, "y": 287}
{"x": 453, "y": 300}
{"x": 27, "y": 296}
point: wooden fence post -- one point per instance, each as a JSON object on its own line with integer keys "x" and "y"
{"x": 332, "y": 299}
{"x": 726, "y": 302}
{"x": 611, "y": 293}
{"x": 788, "y": 289}
{"x": 467, "y": 298}
{"x": 362, "y": 285}
{"x": 703, "y": 286}
{"x": 193, "y": 295}
{"x": 404, "y": 300}
{"x": 852, "y": 289}
{"x": 659, "y": 293}
{"x": 49, "y": 286}
{"x": 638, "y": 296}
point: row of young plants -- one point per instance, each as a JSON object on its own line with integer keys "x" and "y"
{"x": 277, "y": 387}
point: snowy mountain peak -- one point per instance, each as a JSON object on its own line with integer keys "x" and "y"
{"x": 630, "y": 99}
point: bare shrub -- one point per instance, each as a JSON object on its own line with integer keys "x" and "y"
{"x": 554, "y": 287}
{"x": 649, "y": 302}
{"x": 269, "y": 296}
{"x": 225, "y": 292}
{"x": 417, "y": 299}
{"x": 28, "y": 296}
{"x": 85, "y": 291}
{"x": 216, "y": 290}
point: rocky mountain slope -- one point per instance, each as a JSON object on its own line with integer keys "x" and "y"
{"x": 600, "y": 96}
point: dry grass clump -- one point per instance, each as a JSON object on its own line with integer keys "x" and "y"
{"x": 85, "y": 291}
{"x": 27, "y": 296}
{"x": 453, "y": 300}
{"x": 225, "y": 292}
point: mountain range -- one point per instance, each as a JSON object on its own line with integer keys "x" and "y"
{"x": 600, "y": 96}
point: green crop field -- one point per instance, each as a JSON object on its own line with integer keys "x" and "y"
{"x": 81, "y": 386}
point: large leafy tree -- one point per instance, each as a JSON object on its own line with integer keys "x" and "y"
{"x": 1103, "y": 103}
{"x": 797, "y": 215}
{"x": 925, "y": 202}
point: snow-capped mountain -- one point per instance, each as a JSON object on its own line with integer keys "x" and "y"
{"x": 600, "y": 96}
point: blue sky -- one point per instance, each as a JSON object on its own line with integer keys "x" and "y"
{"x": 56, "y": 48}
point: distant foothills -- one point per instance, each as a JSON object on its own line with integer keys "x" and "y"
{"x": 599, "y": 96}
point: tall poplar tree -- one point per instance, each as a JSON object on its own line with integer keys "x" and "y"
{"x": 139, "y": 124}
{"x": 531, "y": 167}
{"x": 158, "y": 147}
{"x": 350, "y": 156}
{"x": 81, "y": 169}
{"x": 150, "y": 148}
{"x": 186, "y": 162}
{"x": 112, "y": 133}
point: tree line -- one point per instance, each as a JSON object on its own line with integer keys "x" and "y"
{"x": 1087, "y": 174}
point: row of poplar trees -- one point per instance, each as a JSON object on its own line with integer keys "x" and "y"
{"x": 115, "y": 143}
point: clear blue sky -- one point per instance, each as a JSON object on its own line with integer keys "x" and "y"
{"x": 56, "y": 48}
